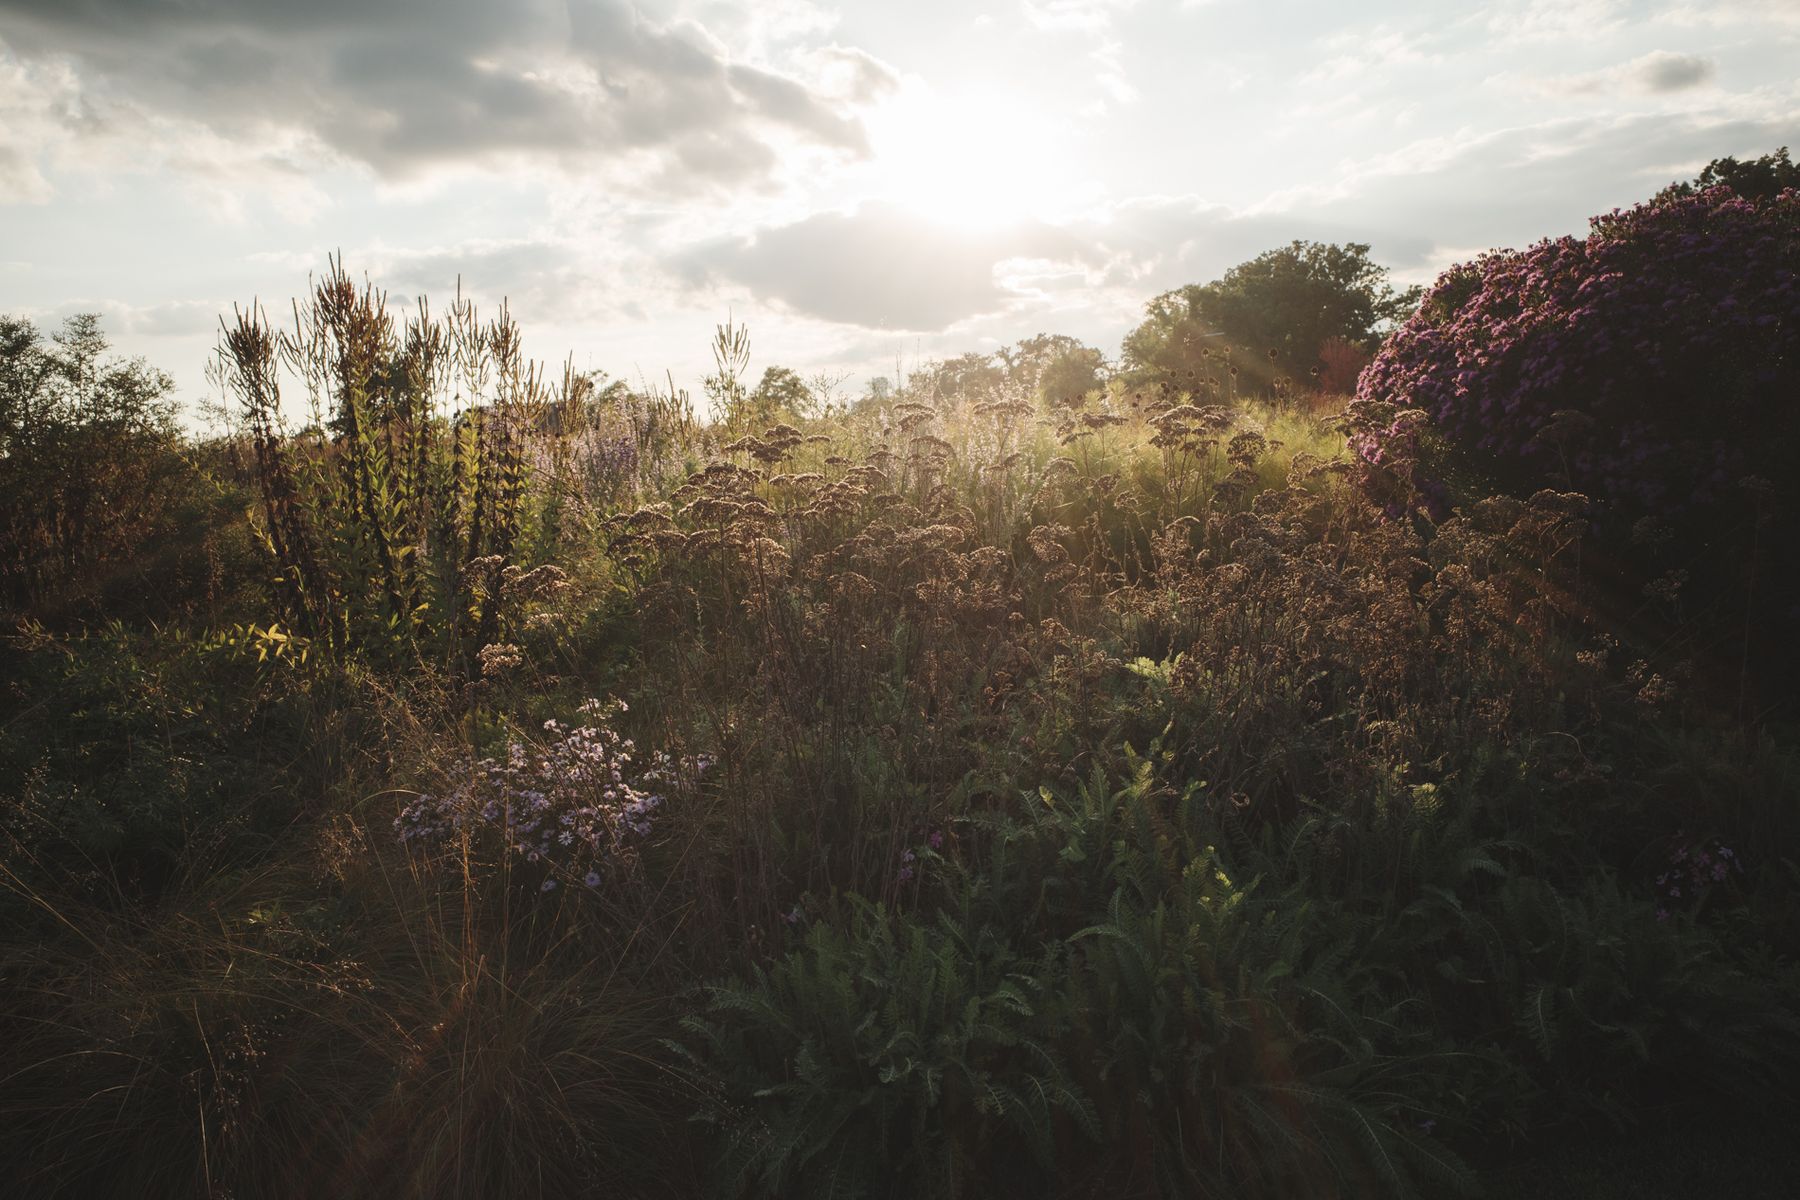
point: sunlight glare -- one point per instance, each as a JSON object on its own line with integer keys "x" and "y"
{"x": 978, "y": 161}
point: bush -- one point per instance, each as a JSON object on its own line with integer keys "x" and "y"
{"x": 128, "y": 760}
{"x": 103, "y": 507}
{"x": 1650, "y": 365}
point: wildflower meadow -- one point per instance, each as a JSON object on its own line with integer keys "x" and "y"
{"x": 1360, "y": 763}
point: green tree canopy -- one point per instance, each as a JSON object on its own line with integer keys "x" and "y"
{"x": 781, "y": 392}
{"x": 1070, "y": 375}
{"x": 1758, "y": 179}
{"x": 1027, "y": 360}
{"x": 1290, "y": 300}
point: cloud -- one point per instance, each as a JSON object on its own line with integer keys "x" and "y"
{"x": 407, "y": 85}
{"x": 20, "y": 180}
{"x": 882, "y": 268}
{"x": 168, "y": 319}
{"x": 878, "y": 267}
{"x": 1152, "y": 244}
{"x": 1659, "y": 72}
{"x": 1094, "y": 19}
{"x": 1512, "y": 186}
{"x": 847, "y": 74}
{"x": 1357, "y": 54}
{"x": 543, "y": 280}
{"x": 1084, "y": 16}
{"x": 1662, "y": 71}
{"x": 1556, "y": 20}
{"x": 1729, "y": 13}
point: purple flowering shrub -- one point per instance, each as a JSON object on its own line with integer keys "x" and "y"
{"x": 1649, "y": 365}
{"x": 577, "y": 804}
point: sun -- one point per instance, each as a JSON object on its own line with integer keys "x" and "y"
{"x": 976, "y": 161}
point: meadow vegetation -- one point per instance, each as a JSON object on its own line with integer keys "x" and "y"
{"x": 1032, "y": 778}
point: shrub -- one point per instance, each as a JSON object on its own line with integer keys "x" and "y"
{"x": 1652, "y": 367}
{"x": 103, "y": 507}
{"x": 1649, "y": 365}
{"x": 128, "y": 759}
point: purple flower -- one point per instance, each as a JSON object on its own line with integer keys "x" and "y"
{"x": 574, "y": 802}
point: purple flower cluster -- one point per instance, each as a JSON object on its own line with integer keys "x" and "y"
{"x": 606, "y": 463}
{"x": 1672, "y": 330}
{"x": 575, "y": 803}
{"x": 910, "y": 860}
{"x": 1694, "y": 869}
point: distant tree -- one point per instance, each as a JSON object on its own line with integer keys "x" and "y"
{"x": 1172, "y": 343}
{"x": 89, "y": 457}
{"x": 1028, "y": 359}
{"x": 1289, "y": 300}
{"x": 780, "y": 393}
{"x": 1070, "y": 376}
{"x": 966, "y": 377}
{"x": 1758, "y": 180}
{"x": 824, "y": 387}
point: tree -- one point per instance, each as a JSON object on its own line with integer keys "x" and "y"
{"x": 879, "y": 390}
{"x": 824, "y": 386}
{"x": 1172, "y": 343}
{"x": 781, "y": 392}
{"x": 965, "y": 377}
{"x": 89, "y": 457}
{"x": 1069, "y": 376}
{"x": 1028, "y": 359}
{"x": 1289, "y": 300}
{"x": 1758, "y": 180}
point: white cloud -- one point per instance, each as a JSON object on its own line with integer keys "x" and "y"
{"x": 20, "y": 180}
{"x": 1109, "y": 72}
{"x": 1724, "y": 14}
{"x": 1557, "y": 20}
{"x": 1361, "y": 53}
{"x": 1082, "y": 16}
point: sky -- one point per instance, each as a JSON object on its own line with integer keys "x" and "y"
{"x": 862, "y": 184}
